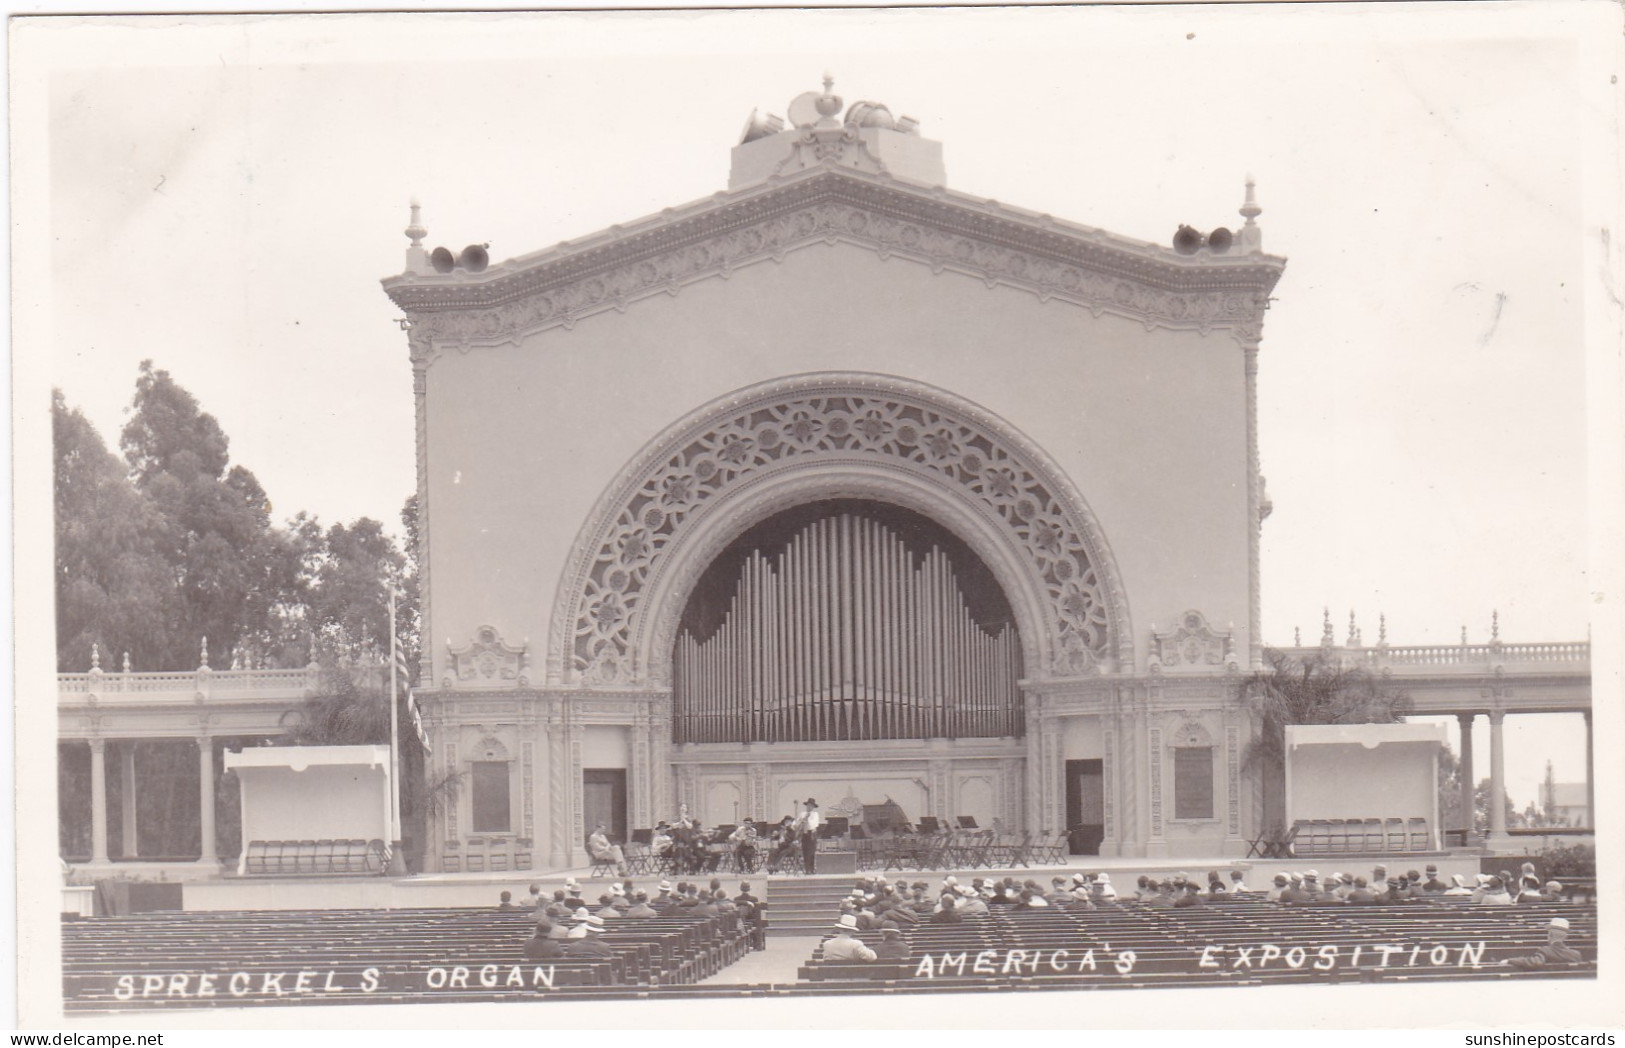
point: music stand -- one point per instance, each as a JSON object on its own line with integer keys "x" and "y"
{"x": 967, "y": 822}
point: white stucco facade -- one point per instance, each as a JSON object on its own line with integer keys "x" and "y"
{"x": 1113, "y": 378}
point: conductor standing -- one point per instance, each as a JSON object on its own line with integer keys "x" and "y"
{"x": 810, "y": 820}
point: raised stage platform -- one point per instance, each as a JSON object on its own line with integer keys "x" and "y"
{"x": 483, "y": 889}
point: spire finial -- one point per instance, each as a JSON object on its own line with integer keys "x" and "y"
{"x": 95, "y": 658}
{"x": 415, "y": 230}
{"x": 1495, "y": 626}
{"x": 828, "y": 104}
{"x": 1354, "y": 631}
{"x": 126, "y": 662}
{"x": 1464, "y": 636}
{"x": 1249, "y": 207}
{"x": 1382, "y": 630}
{"x": 1297, "y": 638}
{"x": 203, "y": 655}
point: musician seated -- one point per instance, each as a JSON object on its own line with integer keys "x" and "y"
{"x": 744, "y": 842}
{"x": 660, "y": 841}
{"x": 601, "y": 850}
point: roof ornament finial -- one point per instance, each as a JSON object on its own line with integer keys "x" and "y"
{"x": 1495, "y": 626}
{"x": 1251, "y": 235}
{"x": 415, "y": 231}
{"x": 1354, "y": 631}
{"x": 95, "y": 658}
{"x": 828, "y": 105}
{"x": 203, "y": 655}
{"x": 1382, "y": 630}
{"x": 1249, "y": 207}
{"x": 126, "y": 662}
{"x": 1327, "y": 638}
{"x": 1297, "y": 638}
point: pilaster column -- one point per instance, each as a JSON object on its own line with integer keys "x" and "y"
{"x": 1498, "y": 775}
{"x": 1033, "y": 809}
{"x": 1156, "y": 844}
{"x": 128, "y": 830}
{"x": 558, "y": 796}
{"x": 1468, "y": 784}
{"x": 1255, "y": 519}
{"x": 1591, "y": 789}
{"x": 205, "y": 771}
{"x": 98, "y": 800}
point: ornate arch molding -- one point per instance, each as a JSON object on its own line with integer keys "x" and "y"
{"x": 750, "y": 453}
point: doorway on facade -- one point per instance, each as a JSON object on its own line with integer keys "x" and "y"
{"x": 1085, "y": 806}
{"x": 603, "y": 800}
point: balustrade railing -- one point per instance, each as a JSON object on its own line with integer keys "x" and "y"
{"x": 279, "y": 683}
{"x": 1459, "y": 654}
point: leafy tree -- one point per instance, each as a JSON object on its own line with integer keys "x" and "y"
{"x": 1481, "y": 808}
{"x": 113, "y": 587}
{"x": 1315, "y": 690}
{"x": 216, "y": 529}
{"x": 175, "y": 544}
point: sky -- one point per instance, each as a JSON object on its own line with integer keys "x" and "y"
{"x": 224, "y": 196}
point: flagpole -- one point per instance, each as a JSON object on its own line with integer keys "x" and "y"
{"x": 394, "y": 742}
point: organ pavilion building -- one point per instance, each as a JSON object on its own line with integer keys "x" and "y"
{"x": 839, "y": 484}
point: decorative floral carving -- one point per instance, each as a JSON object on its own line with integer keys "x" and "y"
{"x": 488, "y": 658}
{"x": 1192, "y": 645}
{"x": 998, "y": 246}
{"x": 833, "y": 420}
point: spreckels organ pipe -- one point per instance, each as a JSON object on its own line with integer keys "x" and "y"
{"x": 846, "y": 633}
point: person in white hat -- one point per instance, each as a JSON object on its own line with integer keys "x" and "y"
{"x": 846, "y": 947}
{"x": 1458, "y": 886}
{"x": 1103, "y": 886}
{"x": 967, "y": 900}
{"x": 584, "y": 940}
{"x": 1556, "y": 951}
{"x": 1238, "y": 882}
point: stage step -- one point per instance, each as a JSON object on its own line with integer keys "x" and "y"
{"x": 804, "y": 906}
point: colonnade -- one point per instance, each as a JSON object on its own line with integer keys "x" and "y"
{"x": 1469, "y": 781}
{"x": 99, "y": 852}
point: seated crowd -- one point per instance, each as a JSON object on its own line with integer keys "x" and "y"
{"x": 893, "y": 907}
{"x": 568, "y": 923}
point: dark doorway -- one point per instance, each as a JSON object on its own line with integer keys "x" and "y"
{"x": 1085, "y": 806}
{"x": 603, "y": 800}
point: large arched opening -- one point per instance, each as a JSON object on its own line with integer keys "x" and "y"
{"x": 846, "y": 619}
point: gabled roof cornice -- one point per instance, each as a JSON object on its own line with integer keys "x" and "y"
{"x": 984, "y": 239}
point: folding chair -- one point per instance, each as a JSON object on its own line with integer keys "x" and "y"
{"x": 1396, "y": 835}
{"x": 1420, "y": 839}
